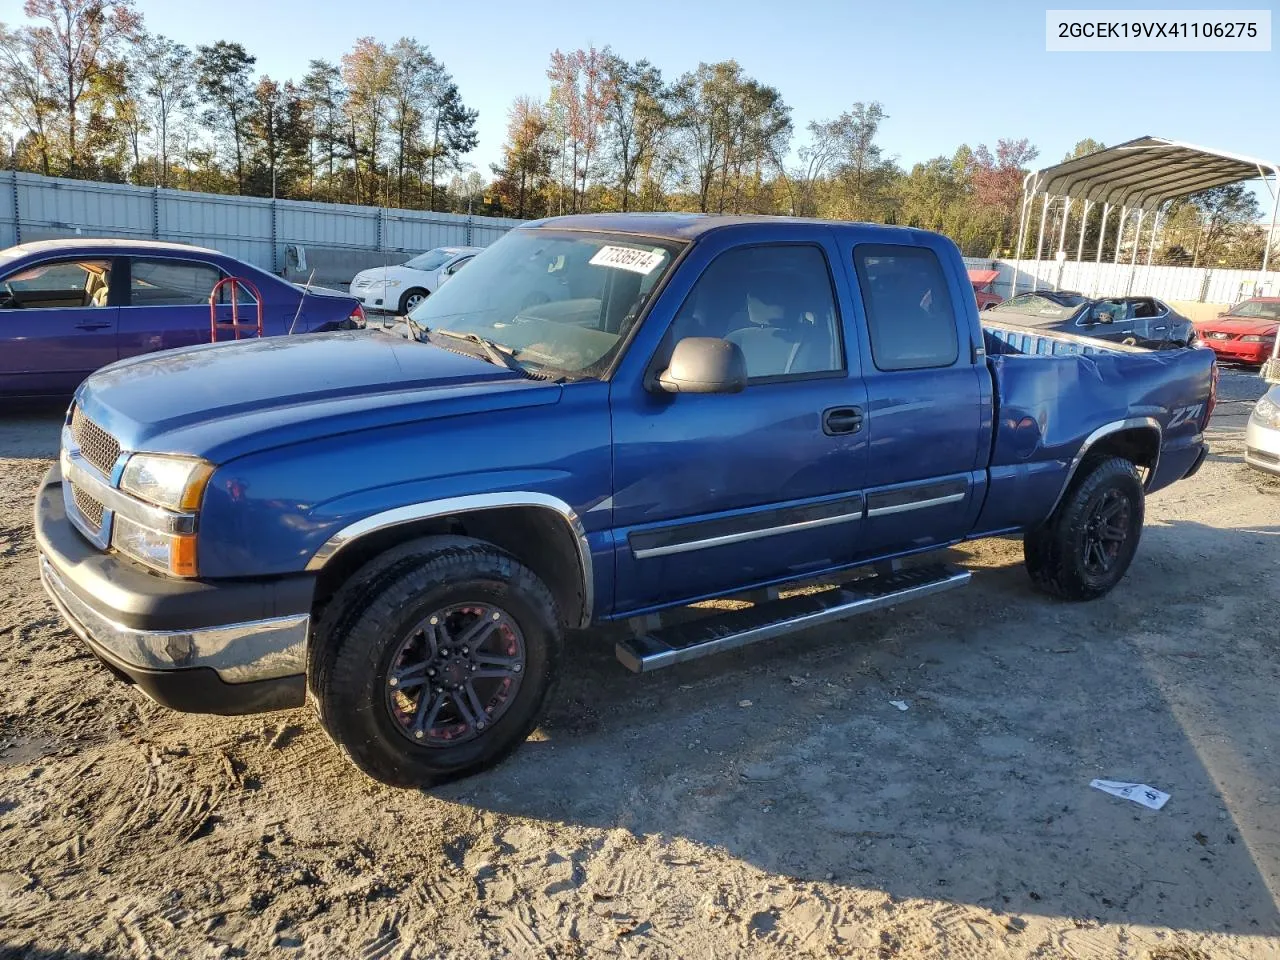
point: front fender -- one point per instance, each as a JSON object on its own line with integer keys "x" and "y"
{"x": 272, "y": 512}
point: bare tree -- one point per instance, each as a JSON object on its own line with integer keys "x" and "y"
{"x": 224, "y": 75}
{"x": 169, "y": 79}
{"x": 635, "y": 117}
{"x": 77, "y": 38}
{"x": 26, "y": 89}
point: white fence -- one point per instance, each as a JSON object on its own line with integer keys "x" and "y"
{"x": 339, "y": 239}
{"x": 1187, "y": 284}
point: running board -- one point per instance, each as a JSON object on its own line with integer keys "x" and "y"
{"x": 737, "y": 628}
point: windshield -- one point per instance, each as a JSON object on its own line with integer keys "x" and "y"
{"x": 559, "y": 299}
{"x": 1260, "y": 309}
{"x": 431, "y": 260}
{"x": 1041, "y": 308}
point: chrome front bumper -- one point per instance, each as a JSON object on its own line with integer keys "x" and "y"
{"x": 236, "y": 652}
{"x": 226, "y": 647}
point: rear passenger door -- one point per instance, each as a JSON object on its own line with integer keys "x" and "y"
{"x": 928, "y": 398}
{"x": 168, "y": 304}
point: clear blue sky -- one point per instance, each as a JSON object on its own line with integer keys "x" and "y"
{"x": 947, "y": 72}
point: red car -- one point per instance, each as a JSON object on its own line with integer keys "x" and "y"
{"x": 1246, "y": 333}
{"x": 982, "y": 281}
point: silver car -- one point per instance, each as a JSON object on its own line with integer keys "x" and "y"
{"x": 1262, "y": 436}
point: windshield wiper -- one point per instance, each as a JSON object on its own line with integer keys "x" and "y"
{"x": 500, "y": 355}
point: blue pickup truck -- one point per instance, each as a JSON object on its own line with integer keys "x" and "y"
{"x": 604, "y": 418}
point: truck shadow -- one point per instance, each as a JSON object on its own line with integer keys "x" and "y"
{"x": 791, "y": 757}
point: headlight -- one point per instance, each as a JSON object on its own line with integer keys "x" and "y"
{"x": 172, "y": 553}
{"x": 1266, "y": 412}
{"x": 391, "y": 284}
{"x": 175, "y": 483}
{"x": 1255, "y": 338}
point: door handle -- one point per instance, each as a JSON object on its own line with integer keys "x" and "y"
{"x": 93, "y": 325}
{"x": 839, "y": 420}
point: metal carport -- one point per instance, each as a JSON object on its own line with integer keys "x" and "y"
{"x": 1139, "y": 176}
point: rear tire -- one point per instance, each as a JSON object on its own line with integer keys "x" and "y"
{"x": 484, "y": 627}
{"x": 1086, "y": 547}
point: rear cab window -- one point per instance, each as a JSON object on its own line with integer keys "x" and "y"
{"x": 911, "y": 318}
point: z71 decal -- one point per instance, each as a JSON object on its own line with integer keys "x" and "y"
{"x": 1183, "y": 415}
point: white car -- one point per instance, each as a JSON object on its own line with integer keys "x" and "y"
{"x": 400, "y": 288}
{"x": 1262, "y": 435}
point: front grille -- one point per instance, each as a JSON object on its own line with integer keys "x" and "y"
{"x": 96, "y": 445}
{"x": 1262, "y": 455}
{"x": 89, "y": 508}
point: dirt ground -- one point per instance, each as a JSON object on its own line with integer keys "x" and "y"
{"x": 767, "y": 803}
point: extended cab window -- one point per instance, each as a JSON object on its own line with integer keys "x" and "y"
{"x": 775, "y": 302}
{"x": 909, "y": 311}
{"x": 167, "y": 283}
{"x": 78, "y": 283}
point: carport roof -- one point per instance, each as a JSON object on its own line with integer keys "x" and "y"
{"x": 1147, "y": 171}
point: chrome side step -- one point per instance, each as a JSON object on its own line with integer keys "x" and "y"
{"x": 654, "y": 649}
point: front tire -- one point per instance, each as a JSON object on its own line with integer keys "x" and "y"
{"x": 411, "y": 298}
{"x": 434, "y": 661}
{"x": 1086, "y": 547}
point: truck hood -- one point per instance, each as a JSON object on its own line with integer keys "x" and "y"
{"x": 221, "y": 401}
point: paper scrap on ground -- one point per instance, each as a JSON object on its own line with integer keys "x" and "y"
{"x": 1137, "y": 792}
{"x": 628, "y": 258}
{"x": 900, "y": 704}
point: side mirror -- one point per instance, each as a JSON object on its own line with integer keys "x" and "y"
{"x": 704, "y": 365}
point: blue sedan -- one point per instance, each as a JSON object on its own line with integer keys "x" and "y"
{"x": 68, "y": 307}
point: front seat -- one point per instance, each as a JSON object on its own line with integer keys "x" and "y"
{"x": 98, "y": 289}
{"x": 784, "y": 334}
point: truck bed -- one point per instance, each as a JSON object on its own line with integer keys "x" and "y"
{"x": 1052, "y": 390}
{"x": 1008, "y": 338}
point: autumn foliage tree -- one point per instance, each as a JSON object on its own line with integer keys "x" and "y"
{"x": 87, "y": 92}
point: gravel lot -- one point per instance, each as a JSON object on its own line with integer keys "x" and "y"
{"x": 766, "y": 803}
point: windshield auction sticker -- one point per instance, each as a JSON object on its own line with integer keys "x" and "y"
{"x": 1175, "y": 31}
{"x": 628, "y": 258}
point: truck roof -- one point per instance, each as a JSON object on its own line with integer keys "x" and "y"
{"x": 690, "y": 226}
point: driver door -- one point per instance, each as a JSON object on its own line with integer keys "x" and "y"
{"x": 720, "y": 492}
{"x": 58, "y": 323}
